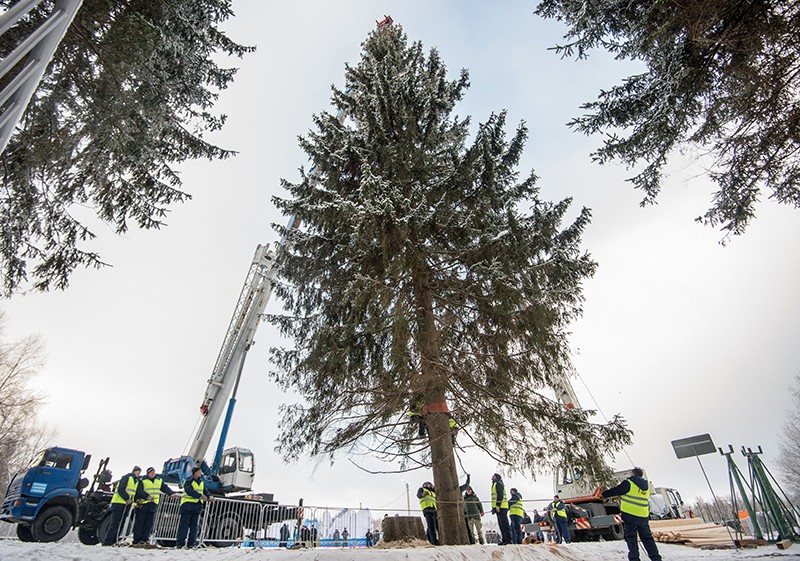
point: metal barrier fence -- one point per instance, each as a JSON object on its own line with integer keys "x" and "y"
{"x": 225, "y": 522}
{"x": 250, "y": 523}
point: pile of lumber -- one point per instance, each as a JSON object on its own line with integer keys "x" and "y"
{"x": 694, "y": 532}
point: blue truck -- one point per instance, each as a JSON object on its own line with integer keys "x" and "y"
{"x": 52, "y": 496}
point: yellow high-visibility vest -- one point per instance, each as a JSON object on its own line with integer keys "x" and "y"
{"x": 428, "y": 499}
{"x": 130, "y": 488}
{"x": 503, "y": 501}
{"x": 635, "y": 501}
{"x": 152, "y": 487}
{"x": 199, "y": 487}
{"x": 516, "y": 509}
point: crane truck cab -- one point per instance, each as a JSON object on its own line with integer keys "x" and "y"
{"x": 237, "y": 469}
{"x": 235, "y": 473}
{"x": 672, "y": 501}
{"x": 44, "y": 499}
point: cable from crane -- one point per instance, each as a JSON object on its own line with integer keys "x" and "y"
{"x": 191, "y": 436}
{"x": 597, "y": 406}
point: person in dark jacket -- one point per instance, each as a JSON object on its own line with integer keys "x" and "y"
{"x": 558, "y": 512}
{"x": 124, "y": 495}
{"x": 461, "y": 489}
{"x": 144, "y": 515}
{"x": 284, "y": 534}
{"x": 633, "y": 494}
{"x": 500, "y": 508}
{"x": 526, "y": 519}
{"x": 537, "y": 518}
{"x": 473, "y": 510}
{"x": 191, "y": 506}
{"x": 427, "y": 502}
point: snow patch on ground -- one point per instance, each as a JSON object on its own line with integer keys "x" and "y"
{"x": 12, "y": 550}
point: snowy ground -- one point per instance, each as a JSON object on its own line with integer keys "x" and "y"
{"x": 12, "y": 550}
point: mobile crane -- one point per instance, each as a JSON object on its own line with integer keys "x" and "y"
{"x": 582, "y": 490}
{"x": 231, "y": 470}
{"x": 48, "y": 499}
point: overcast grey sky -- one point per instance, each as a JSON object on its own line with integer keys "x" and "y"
{"x": 680, "y": 335}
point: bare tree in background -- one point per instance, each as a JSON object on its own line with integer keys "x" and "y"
{"x": 789, "y": 457}
{"x": 20, "y": 432}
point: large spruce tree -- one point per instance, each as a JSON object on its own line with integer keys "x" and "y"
{"x": 128, "y": 95}
{"x": 419, "y": 281}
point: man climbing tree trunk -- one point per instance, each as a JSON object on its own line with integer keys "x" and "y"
{"x": 417, "y": 287}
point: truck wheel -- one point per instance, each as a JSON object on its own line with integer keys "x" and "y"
{"x": 24, "y": 533}
{"x": 616, "y": 532}
{"x": 88, "y": 537}
{"x": 52, "y": 524}
{"x": 102, "y": 528}
{"x": 226, "y": 531}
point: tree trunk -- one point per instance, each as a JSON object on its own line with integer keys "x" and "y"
{"x": 402, "y": 528}
{"x": 449, "y": 505}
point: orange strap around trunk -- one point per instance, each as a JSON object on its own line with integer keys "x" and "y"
{"x": 438, "y": 407}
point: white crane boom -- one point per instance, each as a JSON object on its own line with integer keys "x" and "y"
{"x": 255, "y": 294}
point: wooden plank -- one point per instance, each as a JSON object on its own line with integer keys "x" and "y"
{"x": 695, "y": 528}
{"x": 676, "y": 522}
{"x": 750, "y": 542}
{"x": 702, "y": 532}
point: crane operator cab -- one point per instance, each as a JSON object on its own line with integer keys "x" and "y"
{"x": 571, "y": 482}
{"x": 237, "y": 470}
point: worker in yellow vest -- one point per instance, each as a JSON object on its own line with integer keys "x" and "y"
{"x": 558, "y": 513}
{"x": 124, "y": 495}
{"x": 515, "y": 512}
{"x": 427, "y": 502}
{"x": 633, "y": 495}
{"x": 194, "y": 494}
{"x": 500, "y": 508}
{"x": 145, "y": 513}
